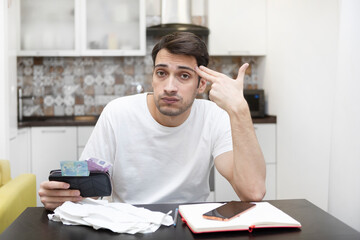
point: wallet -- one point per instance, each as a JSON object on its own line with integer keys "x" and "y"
{"x": 97, "y": 184}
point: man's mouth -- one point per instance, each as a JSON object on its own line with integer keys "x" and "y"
{"x": 170, "y": 100}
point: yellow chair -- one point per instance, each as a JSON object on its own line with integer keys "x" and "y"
{"x": 15, "y": 194}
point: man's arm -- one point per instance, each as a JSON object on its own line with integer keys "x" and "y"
{"x": 244, "y": 167}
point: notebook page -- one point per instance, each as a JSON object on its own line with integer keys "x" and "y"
{"x": 264, "y": 214}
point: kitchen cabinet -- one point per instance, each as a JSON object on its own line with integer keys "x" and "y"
{"x": 237, "y": 27}
{"x": 83, "y": 135}
{"x": 49, "y": 146}
{"x": 20, "y": 152}
{"x": 266, "y": 134}
{"x": 113, "y": 27}
{"x": 82, "y": 28}
{"x": 49, "y": 28}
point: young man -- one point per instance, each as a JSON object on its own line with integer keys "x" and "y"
{"x": 163, "y": 144}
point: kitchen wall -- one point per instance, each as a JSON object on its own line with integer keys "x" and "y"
{"x": 311, "y": 79}
{"x": 299, "y": 79}
{"x": 8, "y": 101}
{"x": 344, "y": 184}
{"x": 60, "y": 86}
{"x": 54, "y": 86}
{"x": 4, "y": 93}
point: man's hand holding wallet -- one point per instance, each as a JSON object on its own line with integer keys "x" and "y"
{"x": 90, "y": 177}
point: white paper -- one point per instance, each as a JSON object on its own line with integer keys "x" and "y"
{"x": 117, "y": 217}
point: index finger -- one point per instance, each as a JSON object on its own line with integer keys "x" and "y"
{"x": 206, "y": 73}
{"x": 55, "y": 185}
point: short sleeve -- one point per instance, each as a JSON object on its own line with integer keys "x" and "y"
{"x": 101, "y": 143}
{"x": 222, "y": 139}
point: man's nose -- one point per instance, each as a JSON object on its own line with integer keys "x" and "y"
{"x": 171, "y": 85}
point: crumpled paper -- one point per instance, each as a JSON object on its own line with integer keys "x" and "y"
{"x": 117, "y": 217}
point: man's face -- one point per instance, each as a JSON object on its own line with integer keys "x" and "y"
{"x": 175, "y": 83}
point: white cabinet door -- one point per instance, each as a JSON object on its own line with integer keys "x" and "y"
{"x": 20, "y": 153}
{"x": 237, "y": 27}
{"x": 49, "y": 28}
{"x": 113, "y": 27}
{"x": 50, "y": 145}
{"x": 83, "y": 136}
{"x": 266, "y": 134}
{"x": 270, "y": 182}
{"x": 82, "y": 28}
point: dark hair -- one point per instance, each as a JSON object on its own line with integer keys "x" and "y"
{"x": 185, "y": 43}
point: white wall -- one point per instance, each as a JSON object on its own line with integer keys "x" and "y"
{"x": 312, "y": 79}
{"x": 344, "y": 192}
{"x": 299, "y": 80}
{"x": 12, "y": 43}
{"x": 4, "y": 87}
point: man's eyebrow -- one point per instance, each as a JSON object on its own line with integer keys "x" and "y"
{"x": 185, "y": 67}
{"x": 179, "y": 67}
{"x": 160, "y": 65}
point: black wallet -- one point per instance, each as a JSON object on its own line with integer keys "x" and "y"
{"x": 98, "y": 184}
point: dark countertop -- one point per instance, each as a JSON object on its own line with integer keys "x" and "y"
{"x": 266, "y": 119}
{"x": 58, "y": 121}
{"x": 91, "y": 121}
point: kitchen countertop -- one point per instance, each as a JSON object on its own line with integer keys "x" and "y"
{"x": 58, "y": 121}
{"x": 266, "y": 119}
{"x": 91, "y": 121}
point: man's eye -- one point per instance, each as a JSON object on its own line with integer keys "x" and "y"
{"x": 160, "y": 73}
{"x": 185, "y": 76}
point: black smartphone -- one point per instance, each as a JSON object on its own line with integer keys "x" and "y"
{"x": 228, "y": 211}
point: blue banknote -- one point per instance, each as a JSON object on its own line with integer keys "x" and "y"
{"x": 74, "y": 168}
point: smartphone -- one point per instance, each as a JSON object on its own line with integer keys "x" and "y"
{"x": 228, "y": 211}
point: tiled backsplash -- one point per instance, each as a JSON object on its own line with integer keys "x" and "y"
{"x": 77, "y": 86}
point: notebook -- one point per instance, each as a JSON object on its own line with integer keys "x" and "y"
{"x": 263, "y": 215}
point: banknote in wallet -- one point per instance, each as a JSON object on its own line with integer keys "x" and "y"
{"x": 74, "y": 168}
{"x": 95, "y": 164}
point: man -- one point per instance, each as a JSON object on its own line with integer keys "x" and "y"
{"x": 163, "y": 144}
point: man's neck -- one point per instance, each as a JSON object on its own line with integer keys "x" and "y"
{"x": 167, "y": 121}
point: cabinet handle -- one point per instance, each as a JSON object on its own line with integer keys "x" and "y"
{"x": 21, "y": 132}
{"x": 47, "y": 53}
{"x": 239, "y": 52}
{"x": 53, "y": 131}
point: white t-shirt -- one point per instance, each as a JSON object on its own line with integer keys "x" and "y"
{"x": 157, "y": 164}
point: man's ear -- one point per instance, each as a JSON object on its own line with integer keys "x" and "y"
{"x": 202, "y": 85}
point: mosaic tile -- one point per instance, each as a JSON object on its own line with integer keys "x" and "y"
{"x": 69, "y": 86}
